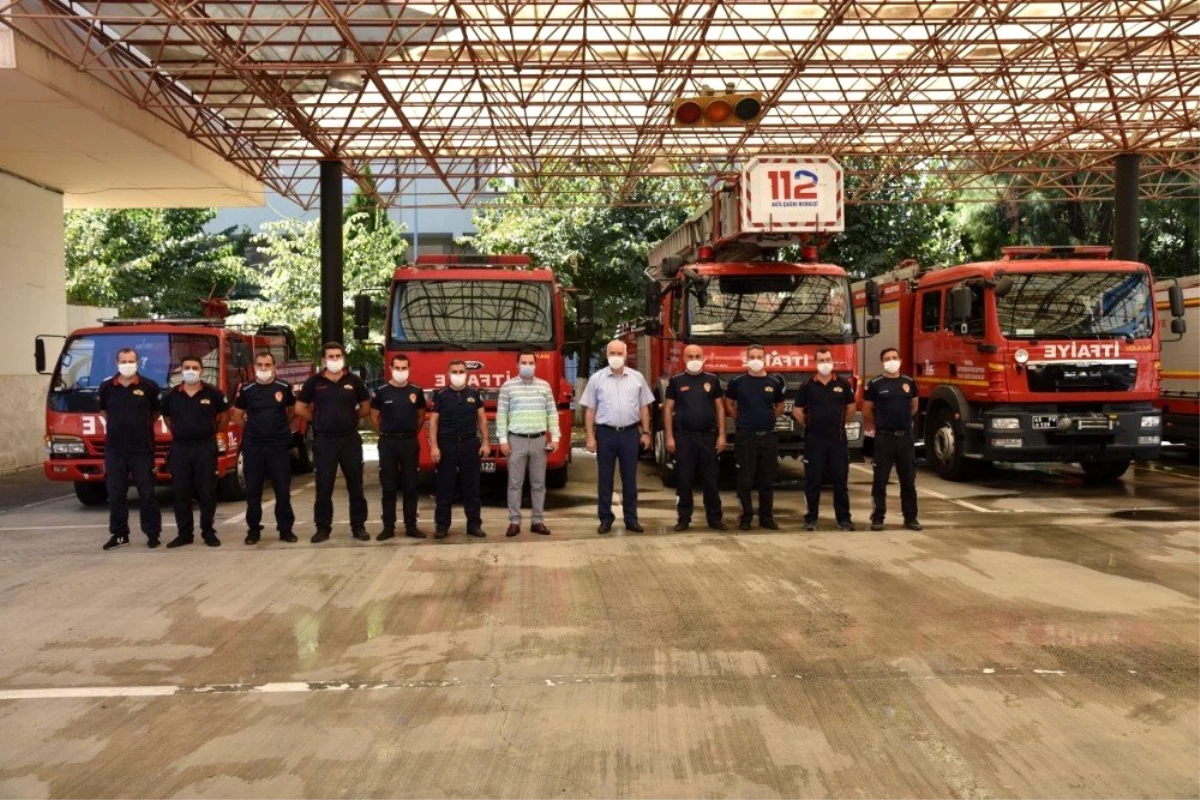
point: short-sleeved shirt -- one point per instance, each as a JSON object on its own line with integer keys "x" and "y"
{"x": 756, "y": 398}
{"x": 617, "y": 399}
{"x": 266, "y": 406}
{"x": 458, "y": 411}
{"x": 398, "y": 407}
{"x": 130, "y": 412}
{"x": 893, "y": 401}
{"x": 695, "y": 396}
{"x": 335, "y": 403}
{"x": 194, "y": 417}
{"x": 824, "y": 407}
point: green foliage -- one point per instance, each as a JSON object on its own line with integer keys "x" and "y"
{"x": 152, "y": 261}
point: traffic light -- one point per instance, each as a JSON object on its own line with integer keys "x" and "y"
{"x": 718, "y": 110}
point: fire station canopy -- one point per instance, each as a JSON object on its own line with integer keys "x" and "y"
{"x": 470, "y": 91}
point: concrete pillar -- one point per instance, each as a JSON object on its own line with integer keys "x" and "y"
{"x": 1126, "y": 219}
{"x": 33, "y": 268}
{"x": 332, "y": 264}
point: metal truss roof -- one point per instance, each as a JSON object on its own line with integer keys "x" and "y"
{"x": 961, "y": 93}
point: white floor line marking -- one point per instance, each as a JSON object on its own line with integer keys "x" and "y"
{"x": 932, "y": 493}
{"x": 236, "y": 518}
{"x": 38, "y": 503}
{"x": 68, "y": 692}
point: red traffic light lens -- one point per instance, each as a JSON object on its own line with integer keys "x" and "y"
{"x": 718, "y": 111}
{"x": 688, "y": 113}
{"x": 747, "y": 109}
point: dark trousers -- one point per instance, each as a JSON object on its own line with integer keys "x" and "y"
{"x": 460, "y": 462}
{"x": 398, "y": 460}
{"x": 613, "y": 448}
{"x": 696, "y": 457}
{"x": 274, "y": 462}
{"x": 117, "y": 468}
{"x": 331, "y": 451}
{"x": 193, "y": 467}
{"x": 826, "y": 457}
{"x": 758, "y": 464}
{"x": 892, "y": 449}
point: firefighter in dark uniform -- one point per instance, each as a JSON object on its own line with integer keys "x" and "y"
{"x": 398, "y": 412}
{"x": 266, "y": 406}
{"x": 755, "y": 400}
{"x": 334, "y": 400}
{"x": 195, "y": 411}
{"x": 694, "y": 423}
{"x": 130, "y": 404}
{"x": 823, "y": 405}
{"x": 889, "y": 405}
{"x": 458, "y": 437}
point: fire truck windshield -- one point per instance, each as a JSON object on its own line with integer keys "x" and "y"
{"x": 1076, "y": 305}
{"x": 87, "y": 361}
{"x": 475, "y": 313}
{"x": 771, "y": 308}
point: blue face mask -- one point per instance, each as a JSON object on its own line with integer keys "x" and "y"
{"x": 527, "y": 370}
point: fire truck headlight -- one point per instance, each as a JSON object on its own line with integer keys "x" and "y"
{"x": 67, "y": 446}
{"x": 1149, "y": 440}
{"x": 1021, "y": 356}
{"x": 1006, "y": 424}
{"x": 1151, "y": 421}
{"x": 1007, "y": 442}
{"x": 853, "y": 430}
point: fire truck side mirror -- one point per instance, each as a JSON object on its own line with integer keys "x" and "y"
{"x": 652, "y": 299}
{"x": 671, "y": 265}
{"x": 873, "y": 326}
{"x": 39, "y": 355}
{"x": 1179, "y": 326}
{"x": 1175, "y": 295}
{"x": 872, "y": 289}
{"x": 585, "y": 316}
{"x": 1003, "y": 287}
{"x": 362, "y": 317}
{"x": 960, "y": 304}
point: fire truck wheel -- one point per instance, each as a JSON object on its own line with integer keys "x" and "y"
{"x": 91, "y": 494}
{"x": 232, "y": 487}
{"x": 944, "y": 447}
{"x": 1101, "y": 472}
{"x": 302, "y": 464}
{"x": 666, "y": 464}
{"x": 556, "y": 478}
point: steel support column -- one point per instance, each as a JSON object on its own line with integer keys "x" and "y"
{"x": 332, "y": 266}
{"x": 1125, "y": 217}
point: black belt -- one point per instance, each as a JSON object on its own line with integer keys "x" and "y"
{"x": 894, "y": 431}
{"x": 457, "y": 437}
{"x": 204, "y": 440}
{"x": 398, "y": 435}
{"x": 617, "y": 427}
{"x": 527, "y": 435}
{"x": 337, "y": 434}
{"x": 758, "y": 433}
{"x": 697, "y": 430}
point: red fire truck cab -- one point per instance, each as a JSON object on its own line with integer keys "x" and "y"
{"x": 483, "y": 310}
{"x": 1179, "y": 399}
{"x": 1048, "y": 354}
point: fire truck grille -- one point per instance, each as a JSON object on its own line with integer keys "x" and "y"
{"x": 97, "y": 446}
{"x": 1082, "y": 377}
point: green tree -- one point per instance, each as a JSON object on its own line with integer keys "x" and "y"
{"x": 153, "y": 262}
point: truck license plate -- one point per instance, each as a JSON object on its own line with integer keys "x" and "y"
{"x": 788, "y": 405}
{"x": 489, "y": 466}
{"x": 1045, "y": 422}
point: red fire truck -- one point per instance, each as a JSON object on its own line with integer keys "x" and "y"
{"x": 1048, "y": 354}
{"x": 1180, "y": 396}
{"x": 75, "y": 430}
{"x": 716, "y": 281}
{"x": 482, "y": 310}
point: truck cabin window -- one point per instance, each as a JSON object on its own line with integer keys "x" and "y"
{"x": 772, "y": 308}
{"x": 471, "y": 313}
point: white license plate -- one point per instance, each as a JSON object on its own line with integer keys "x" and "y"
{"x": 1044, "y": 422}
{"x": 489, "y": 466}
{"x": 788, "y": 405}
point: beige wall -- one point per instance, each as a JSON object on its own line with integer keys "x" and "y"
{"x": 34, "y": 300}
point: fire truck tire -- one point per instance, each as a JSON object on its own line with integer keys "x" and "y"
{"x": 91, "y": 494}
{"x": 1102, "y": 472}
{"x": 556, "y": 478}
{"x": 944, "y": 447}
{"x": 302, "y": 464}
{"x": 666, "y": 466}
{"x": 232, "y": 486}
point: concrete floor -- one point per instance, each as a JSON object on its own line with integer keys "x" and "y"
{"x": 1038, "y": 639}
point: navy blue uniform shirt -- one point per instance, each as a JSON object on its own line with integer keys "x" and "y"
{"x": 457, "y": 411}
{"x": 694, "y": 397}
{"x": 756, "y": 399}
{"x": 398, "y": 407}
{"x": 130, "y": 411}
{"x": 335, "y": 403}
{"x": 893, "y": 401}
{"x": 195, "y": 416}
{"x": 825, "y": 407}
{"x": 266, "y": 406}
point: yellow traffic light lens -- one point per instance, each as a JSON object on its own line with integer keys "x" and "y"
{"x": 747, "y": 109}
{"x": 688, "y": 113}
{"x": 718, "y": 111}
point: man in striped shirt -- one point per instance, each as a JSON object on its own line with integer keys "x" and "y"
{"x": 525, "y": 415}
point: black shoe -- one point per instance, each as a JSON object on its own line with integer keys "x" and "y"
{"x": 635, "y": 527}
{"x": 385, "y": 534}
{"x": 361, "y": 534}
{"x": 476, "y": 532}
{"x": 211, "y": 540}
{"x": 769, "y": 523}
{"x": 810, "y": 526}
{"x": 322, "y": 535}
{"x": 440, "y": 533}
{"x": 846, "y": 526}
{"x": 743, "y": 523}
{"x": 415, "y": 533}
{"x": 719, "y": 525}
{"x": 117, "y": 540}
{"x": 152, "y": 542}
{"x": 681, "y": 526}
{"x": 289, "y": 537}
{"x": 605, "y": 527}
{"x": 912, "y": 525}
{"x": 252, "y": 537}
{"x": 179, "y": 541}
{"x": 876, "y": 526}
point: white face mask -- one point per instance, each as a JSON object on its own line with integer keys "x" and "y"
{"x": 400, "y": 376}
{"x": 616, "y": 362}
{"x": 527, "y": 370}
{"x": 191, "y": 376}
{"x": 755, "y": 365}
{"x": 127, "y": 370}
{"x": 892, "y": 366}
{"x": 335, "y": 364}
{"x": 264, "y": 375}
{"x": 458, "y": 380}
{"x": 694, "y": 367}
{"x": 825, "y": 369}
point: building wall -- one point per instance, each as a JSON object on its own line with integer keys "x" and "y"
{"x": 32, "y": 264}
